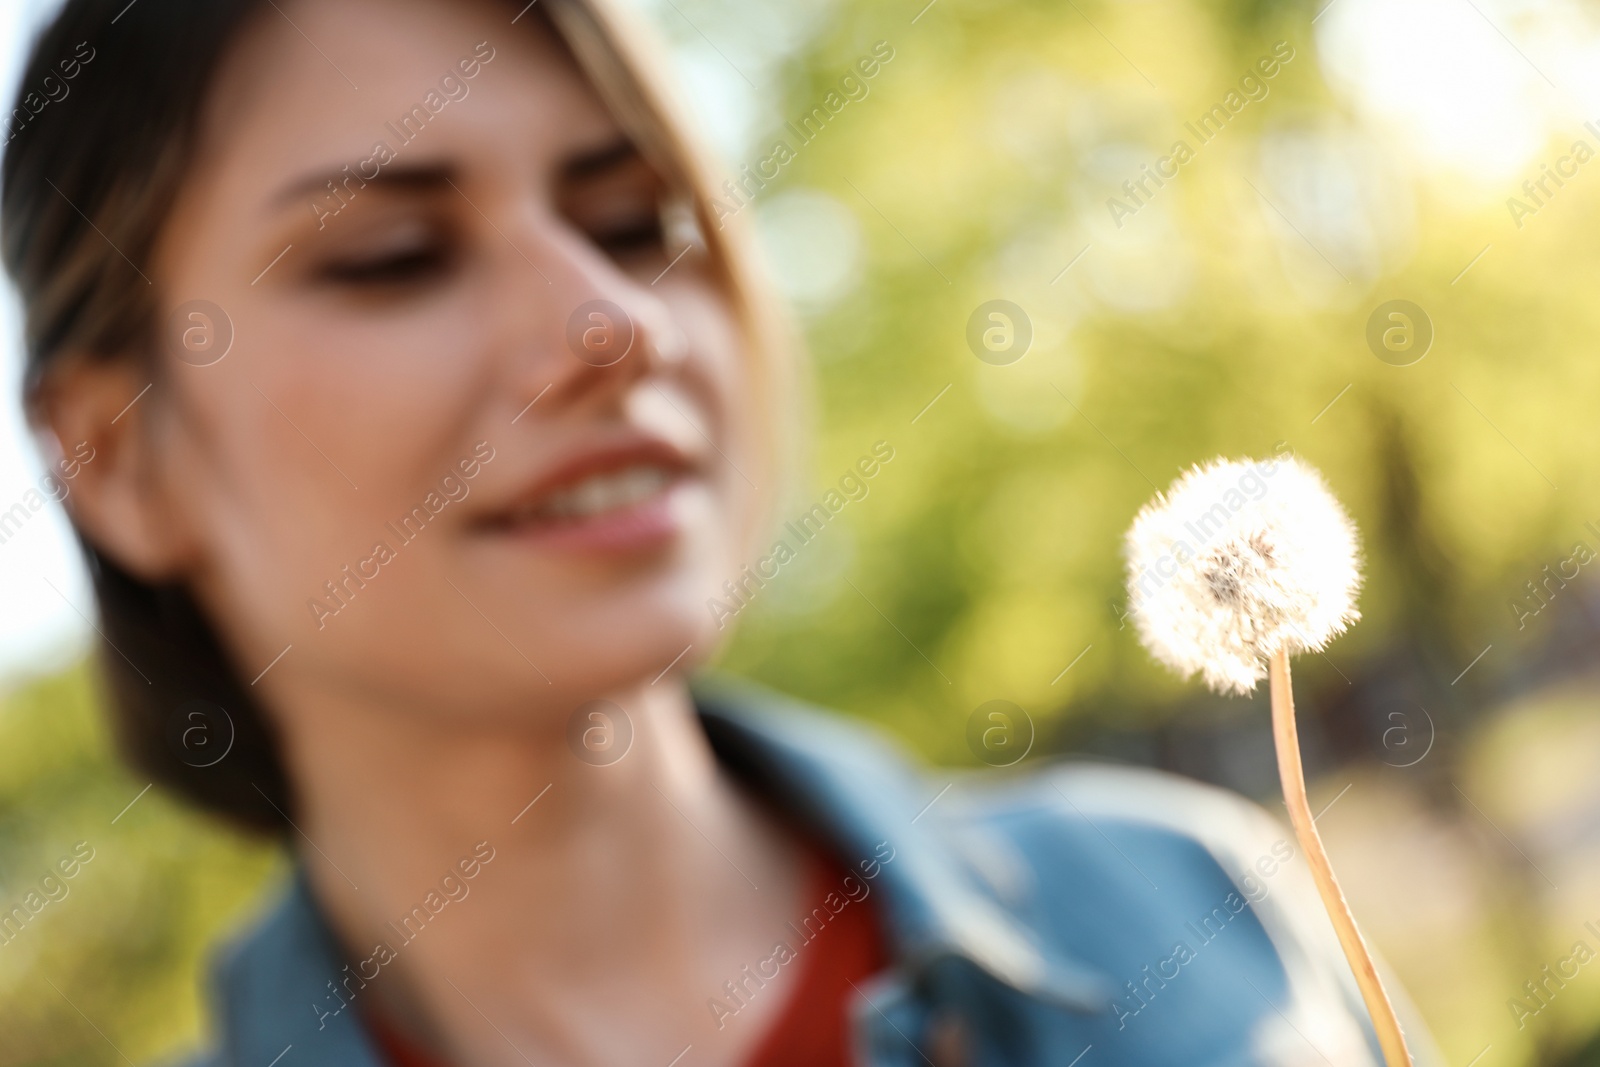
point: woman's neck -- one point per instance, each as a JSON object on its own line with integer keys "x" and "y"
{"x": 586, "y": 910}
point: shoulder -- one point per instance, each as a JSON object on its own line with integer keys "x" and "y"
{"x": 1084, "y": 848}
{"x": 1144, "y": 874}
{"x": 1171, "y": 822}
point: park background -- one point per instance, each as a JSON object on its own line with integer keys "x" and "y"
{"x": 1452, "y": 733}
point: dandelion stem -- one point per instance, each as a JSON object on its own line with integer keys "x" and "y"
{"x": 1287, "y": 738}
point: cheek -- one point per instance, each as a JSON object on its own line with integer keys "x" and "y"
{"x": 302, "y": 445}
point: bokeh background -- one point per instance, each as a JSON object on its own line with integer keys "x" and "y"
{"x": 1452, "y": 733}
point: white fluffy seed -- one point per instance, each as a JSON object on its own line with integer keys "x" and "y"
{"x": 1236, "y": 560}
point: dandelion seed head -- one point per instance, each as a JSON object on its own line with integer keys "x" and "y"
{"x": 1236, "y": 560}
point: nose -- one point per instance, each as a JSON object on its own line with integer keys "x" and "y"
{"x": 580, "y": 330}
{"x": 602, "y": 333}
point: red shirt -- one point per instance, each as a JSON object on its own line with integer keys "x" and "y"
{"x": 837, "y": 944}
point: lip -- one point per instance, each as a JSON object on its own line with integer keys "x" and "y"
{"x": 649, "y": 524}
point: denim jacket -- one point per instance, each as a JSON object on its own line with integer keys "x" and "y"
{"x": 1075, "y": 915}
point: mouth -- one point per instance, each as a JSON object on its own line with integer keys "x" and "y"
{"x": 615, "y": 498}
{"x": 599, "y": 494}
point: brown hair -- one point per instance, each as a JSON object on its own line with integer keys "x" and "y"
{"x": 89, "y": 180}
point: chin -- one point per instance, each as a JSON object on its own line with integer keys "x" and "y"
{"x": 635, "y": 622}
{"x": 633, "y": 639}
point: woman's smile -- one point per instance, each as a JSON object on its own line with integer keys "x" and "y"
{"x": 619, "y": 494}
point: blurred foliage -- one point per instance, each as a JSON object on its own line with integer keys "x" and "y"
{"x": 110, "y": 969}
{"x": 1221, "y": 318}
{"x": 1226, "y": 316}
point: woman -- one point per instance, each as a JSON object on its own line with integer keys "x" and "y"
{"x": 429, "y": 402}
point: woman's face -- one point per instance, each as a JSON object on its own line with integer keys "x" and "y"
{"x": 402, "y": 470}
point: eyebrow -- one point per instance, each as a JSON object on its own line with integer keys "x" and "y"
{"x": 430, "y": 177}
{"x": 435, "y": 177}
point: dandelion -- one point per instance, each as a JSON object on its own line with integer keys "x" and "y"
{"x": 1237, "y": 560}
{"x": 1235, "y": 568}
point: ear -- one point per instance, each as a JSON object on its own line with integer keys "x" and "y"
{"x": 98, "y": 416}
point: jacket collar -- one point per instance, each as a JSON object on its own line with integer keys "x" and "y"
{"x": 856, "y": 791}
{"x": 277, "y": 988}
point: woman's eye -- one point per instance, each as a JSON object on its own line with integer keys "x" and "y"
{"x": 631, "y": 237}
{"x": 397, "y": 267}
